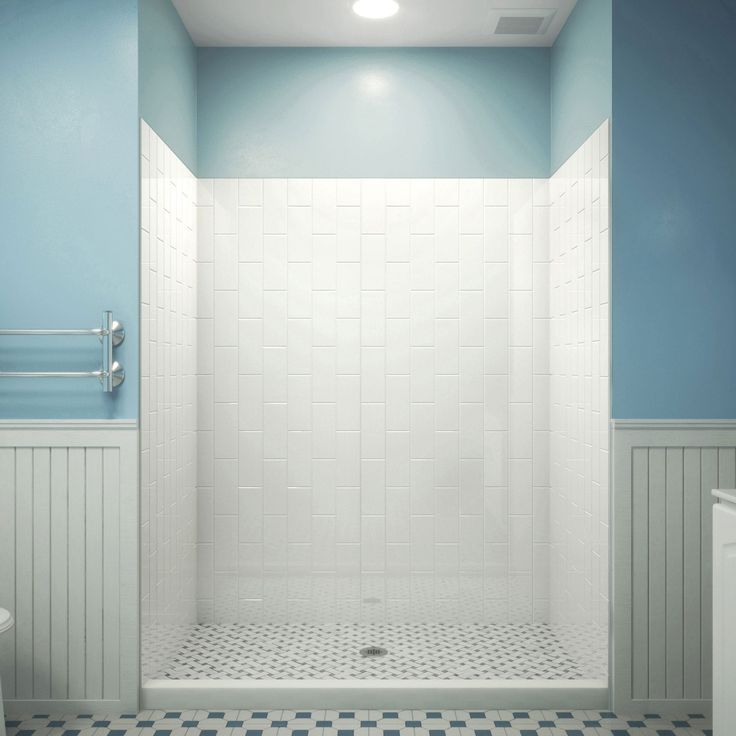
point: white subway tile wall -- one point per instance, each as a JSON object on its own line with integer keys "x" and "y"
{"x": 373, "y": 400}
{"x": 168, "y": 413}
{"x": 580, "y": 386}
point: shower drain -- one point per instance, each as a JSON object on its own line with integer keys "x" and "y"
{"x": 373, "y": 652}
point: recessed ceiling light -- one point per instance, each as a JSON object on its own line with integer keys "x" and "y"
{"x": 375, "y": 9}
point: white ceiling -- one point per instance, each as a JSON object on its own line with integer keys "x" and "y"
{"x": 333, "y": 23}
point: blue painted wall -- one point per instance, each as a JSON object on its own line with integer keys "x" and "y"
{"x": 168, "y": 78}
{"x": 69, "y": 204}
{"x": 373, "y": 112}
{"x": 674, "y": 247}
{"x": 580, "y": 78}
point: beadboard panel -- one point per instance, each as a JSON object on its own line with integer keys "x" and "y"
{"x": 663, "y": 474}
{"x": 69, "y": 564}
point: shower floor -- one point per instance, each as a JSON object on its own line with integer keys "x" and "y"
{"x": 415, "y": 652}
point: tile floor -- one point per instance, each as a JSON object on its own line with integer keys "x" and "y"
{"x": 360, "y": 723}
{"x": 414, "y": 651}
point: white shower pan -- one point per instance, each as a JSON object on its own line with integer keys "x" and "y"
{"x": 378, "y": 694}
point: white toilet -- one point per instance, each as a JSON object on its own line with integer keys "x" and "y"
{"x": 6, "y": 623}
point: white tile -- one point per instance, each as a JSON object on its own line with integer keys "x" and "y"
{"x": 250, "y": 192}
{"x": 446, "y": 192}
{"x": 471, "y": 374}
{"x": 226, "y": 206}
{"x": 398, "y": 402}
{"x": 422, "y": 206}
{"x": 250, "y": 234}
{"x": 373, "y": 206}
{"x": 348, "y": 234}
{"x": 250, "y": 402}
{"x": 422, "y": 318}
{"x": 274, "y": 206}
{"x": 471, "y": 430}
{"x": 422, "y": 262}
{"x": 324, "y": 262}
{"x": 495, "y": 192}
{"x": 373, "y": 318}
{"x": 324, "y": 206}
{"x": 520, "y": 487}
{"x": 520, "y": 375}
{"x": 447, "y": 344}
{"x": 348, "y": 290}
{"x": 373, "y": 262}
{"x": 520, "y": 206}
{"x": 274, "y": 262}
{"x": 299, "y": 402}
{"x": 348, "y": 192}
{"x": 226, "y": 262}
{"x": 250, "y": 292}
{"x": 447, "y": 233}
{"x": 398, "y": 192}
{"x": 471, "y": 205}
{"x": 299, "y": 192}
{"x": 496, "y": 402}
{"x": 447, "y": 403}
{"x": 373, "y": 374}
{"x": 274, "y": 318}
{"x": 471, "y": 262}
{"x": 496, "y": 234}
{"x": 397, "y": 289}
{"x": 520, "y": 247}
{"x": 496, "y": 290}
{"x": 471, "y": 319}
{"x": 274, "y": 432}
{"x": 299, "y": 234}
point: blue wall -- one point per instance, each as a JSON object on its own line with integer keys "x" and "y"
{"x": 674, "y": 242}
{"x": 69, "y": 204}
{"x": 168, "y": 78}
{"x": 373, "y": 112}
{"x": 580, "y": 78}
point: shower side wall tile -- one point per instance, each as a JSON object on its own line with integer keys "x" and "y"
{"x": 169, "y": 407}
{"x": 579, "y": 338}
{"x": 374, "y": 394}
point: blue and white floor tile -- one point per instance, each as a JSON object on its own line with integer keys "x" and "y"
{"x": 359, "y": 723}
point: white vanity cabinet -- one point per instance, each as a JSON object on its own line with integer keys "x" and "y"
{"x": 724, "y": 613}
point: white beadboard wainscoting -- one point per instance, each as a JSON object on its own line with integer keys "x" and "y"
{"x": 69, "y": 565}
{"x": 663, "y": 474}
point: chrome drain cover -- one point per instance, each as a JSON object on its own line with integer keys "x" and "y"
{"x": 373, "y": 652}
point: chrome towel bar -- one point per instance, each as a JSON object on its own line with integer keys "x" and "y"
{"x": 110, "y": 374}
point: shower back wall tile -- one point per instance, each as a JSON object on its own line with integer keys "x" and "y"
{"x": 373, "y": 399}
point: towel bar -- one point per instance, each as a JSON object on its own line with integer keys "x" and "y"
{"x": 111, "y": 334}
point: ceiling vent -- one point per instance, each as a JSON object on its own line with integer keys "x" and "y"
{"x": 515, "y": 22}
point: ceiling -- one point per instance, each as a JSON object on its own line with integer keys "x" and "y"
{"x": 332, "y": 23}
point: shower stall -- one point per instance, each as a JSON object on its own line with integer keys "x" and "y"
{"x": 374, "y": 421}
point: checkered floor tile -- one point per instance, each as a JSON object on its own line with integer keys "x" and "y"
{"x": 414, "y": 651}
{"x": 360, "y": 723}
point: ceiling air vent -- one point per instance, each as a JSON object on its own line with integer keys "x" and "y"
{"x": 510, "y": 26}
{"x": 515, "y": 22}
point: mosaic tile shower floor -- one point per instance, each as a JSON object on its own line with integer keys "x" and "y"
{"x": 361, "y": 723}
{"x": 415, "y": 651}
